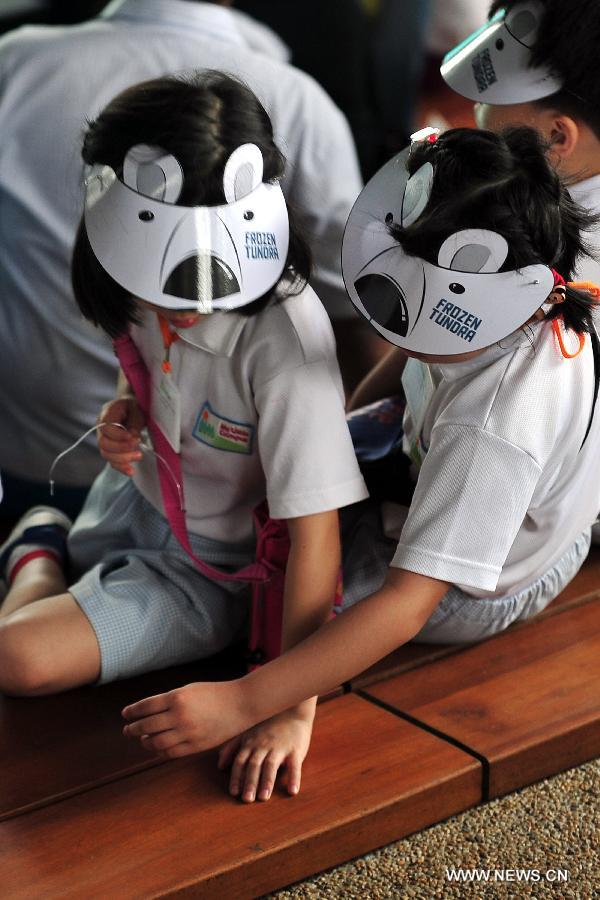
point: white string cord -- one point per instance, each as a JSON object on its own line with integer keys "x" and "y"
{"x": 143, "y": 446}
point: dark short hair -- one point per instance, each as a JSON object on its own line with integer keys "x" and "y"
{"x": 504, "y": 183}
{"x": 567, "y": 42}
{"x": 199, "y": 119}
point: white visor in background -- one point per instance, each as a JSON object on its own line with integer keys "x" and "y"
{"x": 180, "y": 257}
{"x": 493, "y": 65}
{"x": 459, "y": 305}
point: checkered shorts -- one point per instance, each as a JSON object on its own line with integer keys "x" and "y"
{"x": 147, "y": 602}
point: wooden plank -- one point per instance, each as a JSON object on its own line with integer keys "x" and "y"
{"x": 51, "y": 747}
{"x": 172, "y": 831}
{"x": 584, "y": 587}
{"x": 528, "y": 700}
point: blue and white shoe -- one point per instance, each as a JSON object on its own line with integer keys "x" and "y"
{"x": 41, "y": 528}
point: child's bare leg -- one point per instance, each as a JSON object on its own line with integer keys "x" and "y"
{"x": 38, "y": 579}
{"x": 47, "y": 645}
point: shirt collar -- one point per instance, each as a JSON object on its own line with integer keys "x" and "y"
{"x": 218, "y": 333}
{"x": 210, "y": 18}
{"x": 582, "y": 189}
{"x": 522, "y": 337}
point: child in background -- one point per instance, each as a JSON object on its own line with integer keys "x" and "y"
{"x": 457, "y": 252}
{"x": 186, "y": 243}
{"x": 536, "y": 63}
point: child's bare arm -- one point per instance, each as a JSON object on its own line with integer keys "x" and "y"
{"x": 382, "y": 381}
{"x": 348, "y": 645}
{"x": 311, "y": 576}
{"x": 199, "y": 716}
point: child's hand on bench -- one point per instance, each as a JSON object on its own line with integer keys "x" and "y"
{"x": 200, "y": 716}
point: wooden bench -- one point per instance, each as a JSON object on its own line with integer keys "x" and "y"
{"x": 418, "y": 738}
{"x": 172, "y": 831}
{"x": 527, "y": 701}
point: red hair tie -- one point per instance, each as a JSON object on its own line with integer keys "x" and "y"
{"x": 558, "y": 279}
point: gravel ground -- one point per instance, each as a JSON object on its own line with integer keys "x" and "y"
{"x": 552, "y": 825}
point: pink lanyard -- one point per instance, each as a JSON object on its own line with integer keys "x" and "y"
{"x": 138, "y": 376}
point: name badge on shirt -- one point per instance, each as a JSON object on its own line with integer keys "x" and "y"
{"x": 418, "y": 389}
{"x": 222, "y": 433}
{"x": 166, "y": 409}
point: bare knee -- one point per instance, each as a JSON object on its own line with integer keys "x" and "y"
{"x": 24, "y": 670}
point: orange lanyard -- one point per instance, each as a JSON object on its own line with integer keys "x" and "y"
{"x": 559, "y": 336}
{"x": 169, "y": 337}
{"x": 592, "y": 289}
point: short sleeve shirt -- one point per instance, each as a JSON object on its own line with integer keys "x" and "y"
{"x": 505, "y": 486}
{"x": 262, "y": 415}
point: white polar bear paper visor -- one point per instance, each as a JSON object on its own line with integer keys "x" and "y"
{"x": 461, "y": 304}
{"x": 180, "y": 257}
{"x": 493, "y": 65}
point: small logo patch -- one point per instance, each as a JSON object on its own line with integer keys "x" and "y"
{"x": 222, "y": 433}
{"x": 483, "y": 70}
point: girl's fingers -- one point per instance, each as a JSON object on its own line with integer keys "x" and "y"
{"x": 120, "y": 458}
{"x": 252, "y": 776}
{"x": 293, "y": 773}
{"x": 119, "y": 445}
{"x": 149, "y": 725}
{"x": 150, "y": 706}
{"x": 237, "y": 770}
{"x": 113, "y": 433}
{"x": 268, "y": 775}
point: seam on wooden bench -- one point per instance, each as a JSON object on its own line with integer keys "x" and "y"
{"x": 69, "y": 794}
{"x": 485, "y": 765}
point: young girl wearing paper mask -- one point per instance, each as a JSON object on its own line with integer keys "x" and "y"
{"x": 186, "y": 243}
{"x": 456, "y": 260}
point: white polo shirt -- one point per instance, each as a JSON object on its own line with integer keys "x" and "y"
{"x": 262, "y": 414}
{"x": 505, "y": 487}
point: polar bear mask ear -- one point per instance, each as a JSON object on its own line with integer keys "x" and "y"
{"x": 152, "y": 172}
{"x": 523, "y": 22}
{"x": 416, "y": 194}
{"x": 243, "y": 172}
{"x": 473, "y": 250}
